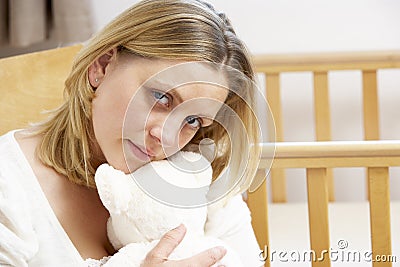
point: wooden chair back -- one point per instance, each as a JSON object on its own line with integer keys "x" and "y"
{"x": 32, "y": 83}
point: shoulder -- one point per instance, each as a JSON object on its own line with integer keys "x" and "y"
{"x": 230, "y": 203}
{"x": 11, "y": 155}
{"x": 10, "y": 144}
{"x": 11, "y": 170}
{"x": 14, "y": 172}
{"x": 232, "y": 213}
{"x": 8, "y": 154}
{"x": 6, "y": 141}
{"x": 17, "y": 232}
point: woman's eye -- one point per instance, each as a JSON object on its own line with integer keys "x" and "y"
{"x": 161, "y": 98}
{"x": 194, "y": 122}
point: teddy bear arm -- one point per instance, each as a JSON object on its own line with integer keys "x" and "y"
{"x": 114, "y": 188}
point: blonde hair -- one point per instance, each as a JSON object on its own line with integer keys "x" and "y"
{"x": 176, "y": 29}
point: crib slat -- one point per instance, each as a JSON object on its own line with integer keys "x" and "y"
{"x": 370, "y": 100}
{"x": 321, "y": 104}
{"x": 380, "y": 213}
{"x": 370, "y": 105}
{"x": 317, "y": 190}
{"x": 278, "y": 185}
{"x": 257, "y": 202}
{"x": 323, "y": 119}
{"x": 273, "y": 94}
{"x": 278, "y": 180}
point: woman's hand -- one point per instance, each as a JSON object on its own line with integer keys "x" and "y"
{"x": 158, "y": 256}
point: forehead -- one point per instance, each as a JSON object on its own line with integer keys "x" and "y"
{"x": 197, "y": 90}
{"x": 188, "y": 78}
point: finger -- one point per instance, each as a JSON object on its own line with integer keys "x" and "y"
{"x": 206, "y": 258}
{"x": 168, "y": 242}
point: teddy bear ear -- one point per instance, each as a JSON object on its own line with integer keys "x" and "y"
{"x": 113, "y": 187}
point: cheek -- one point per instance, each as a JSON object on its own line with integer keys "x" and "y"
{"x": 185, "y": 136}
{"x": 136, "y": 117}
{"x": 108, "y": 113}
{"x": 110, "y": 104}
{"x": 108, "y": 110}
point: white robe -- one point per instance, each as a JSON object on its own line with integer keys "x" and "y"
{"x": 30, "y": 233}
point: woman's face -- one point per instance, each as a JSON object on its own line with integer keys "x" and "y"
{"x": 135, "y": 124}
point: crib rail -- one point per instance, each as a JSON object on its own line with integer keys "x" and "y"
{"x": 320, "y": 64}
{"x": 316, "y": 158}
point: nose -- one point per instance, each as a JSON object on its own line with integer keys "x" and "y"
{"x": 165, "y": 132}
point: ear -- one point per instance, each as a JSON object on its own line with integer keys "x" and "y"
{"x": 97, "y": 70}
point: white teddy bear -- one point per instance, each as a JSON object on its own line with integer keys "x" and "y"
{"x": 137, "y": 221}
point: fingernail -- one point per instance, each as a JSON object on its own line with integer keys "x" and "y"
{"x": 180, "y": 228}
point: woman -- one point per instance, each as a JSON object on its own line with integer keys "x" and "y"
{"x": 50, "y": 212}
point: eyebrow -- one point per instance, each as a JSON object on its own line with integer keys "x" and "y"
{"x": 180, "y": 100}
{"x": 176, "y": 95}
{"x": 170, "y": 90}
{"x": 162, "y": 85}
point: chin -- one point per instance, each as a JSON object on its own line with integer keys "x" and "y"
{"x": 132, "y": 166}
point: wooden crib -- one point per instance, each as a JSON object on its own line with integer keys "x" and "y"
{"x": 319, "y": 157}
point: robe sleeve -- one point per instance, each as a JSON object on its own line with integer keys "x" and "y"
{"x": 232, "y": 224}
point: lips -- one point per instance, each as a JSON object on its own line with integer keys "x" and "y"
{"x": 146, "y": 151}
{"x": 139, "y": 151}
